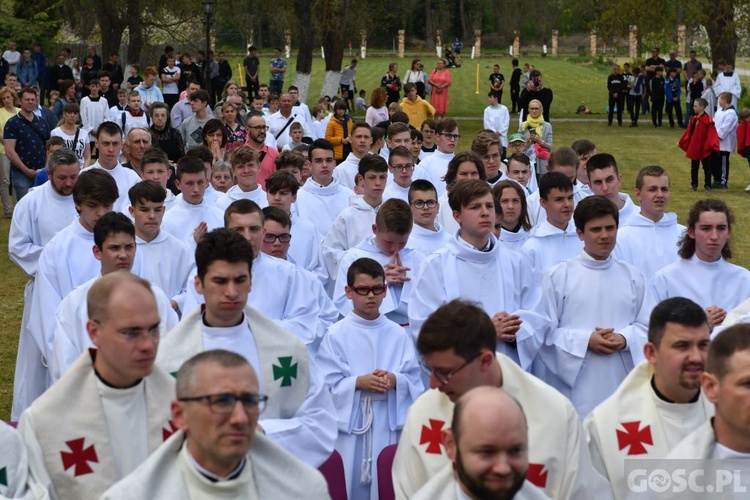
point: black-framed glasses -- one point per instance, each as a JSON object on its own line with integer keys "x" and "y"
{"x": 259, "y": 128}
{"x": 445, "y": 378}
{"x": 365, "y": 290}
{"x": 223, "y": 404}
{"x": 424, "y": 203}
{"x": 451, "y": 137}
{"x": 283, "y": 238}
{"x": 403, "y": 168}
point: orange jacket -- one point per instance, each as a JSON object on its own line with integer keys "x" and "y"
{"x": 335, "y": 135}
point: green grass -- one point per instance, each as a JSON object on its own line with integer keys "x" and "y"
{"x": 572, "y": 84}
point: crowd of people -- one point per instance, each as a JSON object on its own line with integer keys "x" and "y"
{"x": 409, "y": 319}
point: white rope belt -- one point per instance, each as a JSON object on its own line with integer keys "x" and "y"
{"x": 365, "y": 429}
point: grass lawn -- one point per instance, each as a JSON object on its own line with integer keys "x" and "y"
{"x": 573, "y": 84}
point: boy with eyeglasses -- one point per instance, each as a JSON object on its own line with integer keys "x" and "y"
{"x": 354, "y": 223}
{"x": 370, "y": 366}
{"x": 426, "y": 236}
{"x": 401, "y": 167}
{"x": 428, "y": 138}
{"x": 436, "y": 165}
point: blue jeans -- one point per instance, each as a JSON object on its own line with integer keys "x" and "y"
{"x": 21, "y": 183}
{"x": 276, "y": 87}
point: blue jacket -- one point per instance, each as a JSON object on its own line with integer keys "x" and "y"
{"x": 27, "y": 72}
{"x": 672, "y": 88}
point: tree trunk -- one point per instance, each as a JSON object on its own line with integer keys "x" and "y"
{"x": 306, "y": 37}
{"x": 333, "y": 45}
{"x": 111, "y": 27}
{"x": 720, "y": 27}
{"x": 462, "y": 17}
{"x": 136, "y": 32}
{"x": 429, "y": 28}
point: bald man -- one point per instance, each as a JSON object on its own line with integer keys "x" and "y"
{"x": 488, "y": 443}
{"x": 218, "y": 395}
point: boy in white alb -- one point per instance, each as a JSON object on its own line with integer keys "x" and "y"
{"x": 132, "y": 115}
{"x": 660, "y": 401}
{"x": 109, "y": 144}
{"x": 554, "y": 239}
{"x": 321, "y": 199}
{"x": 401, "y": 169}
{"x": 38, "y": 217}
{"x": 115, "y": 401}
{"x": 211, "y": 195}
{"x": 426, "y": 236}
{"x": 703, "y": 273}
{"x": 519, "y": 170}
{"x": 191, "y": 216}
{"x": 649, "y": 239}
{"x": 463, "y": 166}
{"x": 304, "y": 249}
{"x": 560, "y": 160}
{"x": 94, "y": 109}
{"x": 115, "y": 249}
{"x": 165, "y": 260}
{"x": 436, "y": 165}
{"x": 245, "y": 169}
{"x": 66, "y": 261}
{"x": 605, "y": 180}
{"x": 472, "y": 266}
{"x": 355, "y": 222}
{"x": 387, "y": 246}
{"x": 594, "y": 337}
{"x": 726, "y": 122}
{"x": 496, "y": 117}
{"x": 361, "y": 141}
{"x": 370, "y": 366}
{"x": 299, "y": 415}
{"x": 155, "y": 167}
{"x": 487, "y": 146}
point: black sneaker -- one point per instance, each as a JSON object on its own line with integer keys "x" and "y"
{"x": 707, "y": 188}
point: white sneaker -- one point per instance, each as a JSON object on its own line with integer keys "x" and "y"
{"x": 747, "y": 188}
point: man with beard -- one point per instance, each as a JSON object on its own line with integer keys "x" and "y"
{"x": 660, "y": 399}
{"x": 257, "y": 129}
{"x": 488, "y": 443}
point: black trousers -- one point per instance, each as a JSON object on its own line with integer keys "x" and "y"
{"x": 674, "y": 105}
{"x": 708, "y": 170}
{"x": 634, "y": 107}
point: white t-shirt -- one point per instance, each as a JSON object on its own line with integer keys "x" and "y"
{"x": 78, "y": 145}
{"x": 170, "y": 87}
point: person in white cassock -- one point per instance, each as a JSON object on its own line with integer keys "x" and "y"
{"x": 387, "y": 246}
{"x": 463, "y": 166}
{"x": 300, "y": 414}
{"x": 321, "y": 198}
{"x": 649, "y": 239}
{"x": 15, "y": 479}
{"x": 165, "y": 260}
{"x": 436, "y": 165}
{"x": 110, "y": 410}
{"x": 426, "y": 236}
{"x": 726, "y": 435}
{"x": 361, "y": 141}
{"x": 281, "y": 292}
{"x": 155, "y": 167}
{"x": 211, "y": 195}
{"x": 472, "y": 266}
{"x": 703, "y": 273}
{"x": 220, "y": 450}
{"x": 487, "y": 146}
{"x": 192, "y": 214}
{"x": 660, "y": 401}
{"x": 488, "y": 444}
{"x": 304, "y": 250}
{"x": 457, "y": 344}
{"x": 276, "y": 238}
{"x": 562, "y": 160}
{"x": 115, "y": 249}
{"x": 65, "y": 262}
{"x": 245, "y": 170}
{"x": 595, "y": 337}
{"x": 355, "y": 222}
{"x": 370, "y": 366}
{"x": 109, "y": 145}
{"x": 512, "y": 218}
{"x": 553, "y": 239}
{"x": 401, "y": 172}
{"x": 38, "y": 217}
{"x": 605, "y": 180}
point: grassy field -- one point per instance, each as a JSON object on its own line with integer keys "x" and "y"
{"x": 573, "y": 84}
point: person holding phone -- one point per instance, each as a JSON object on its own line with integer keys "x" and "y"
{"x": 538, "y": 134}
{"x": 535, "y": 89}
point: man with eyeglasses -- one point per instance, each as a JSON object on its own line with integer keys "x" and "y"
{"x": 115, "y": 249}
{"x": 216, "y": 451}
{"x": 301, "y": 415}
{"x": 109, "y": 411}
{"x": 427, "y": 235}
{"x": 436, "y": 165}
{"x": 257, "y": 138}
{"x": 457, "y": 345}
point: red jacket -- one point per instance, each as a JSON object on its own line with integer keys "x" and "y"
{"x": 700, "y": 138}
{"x": 743, "y": 138}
